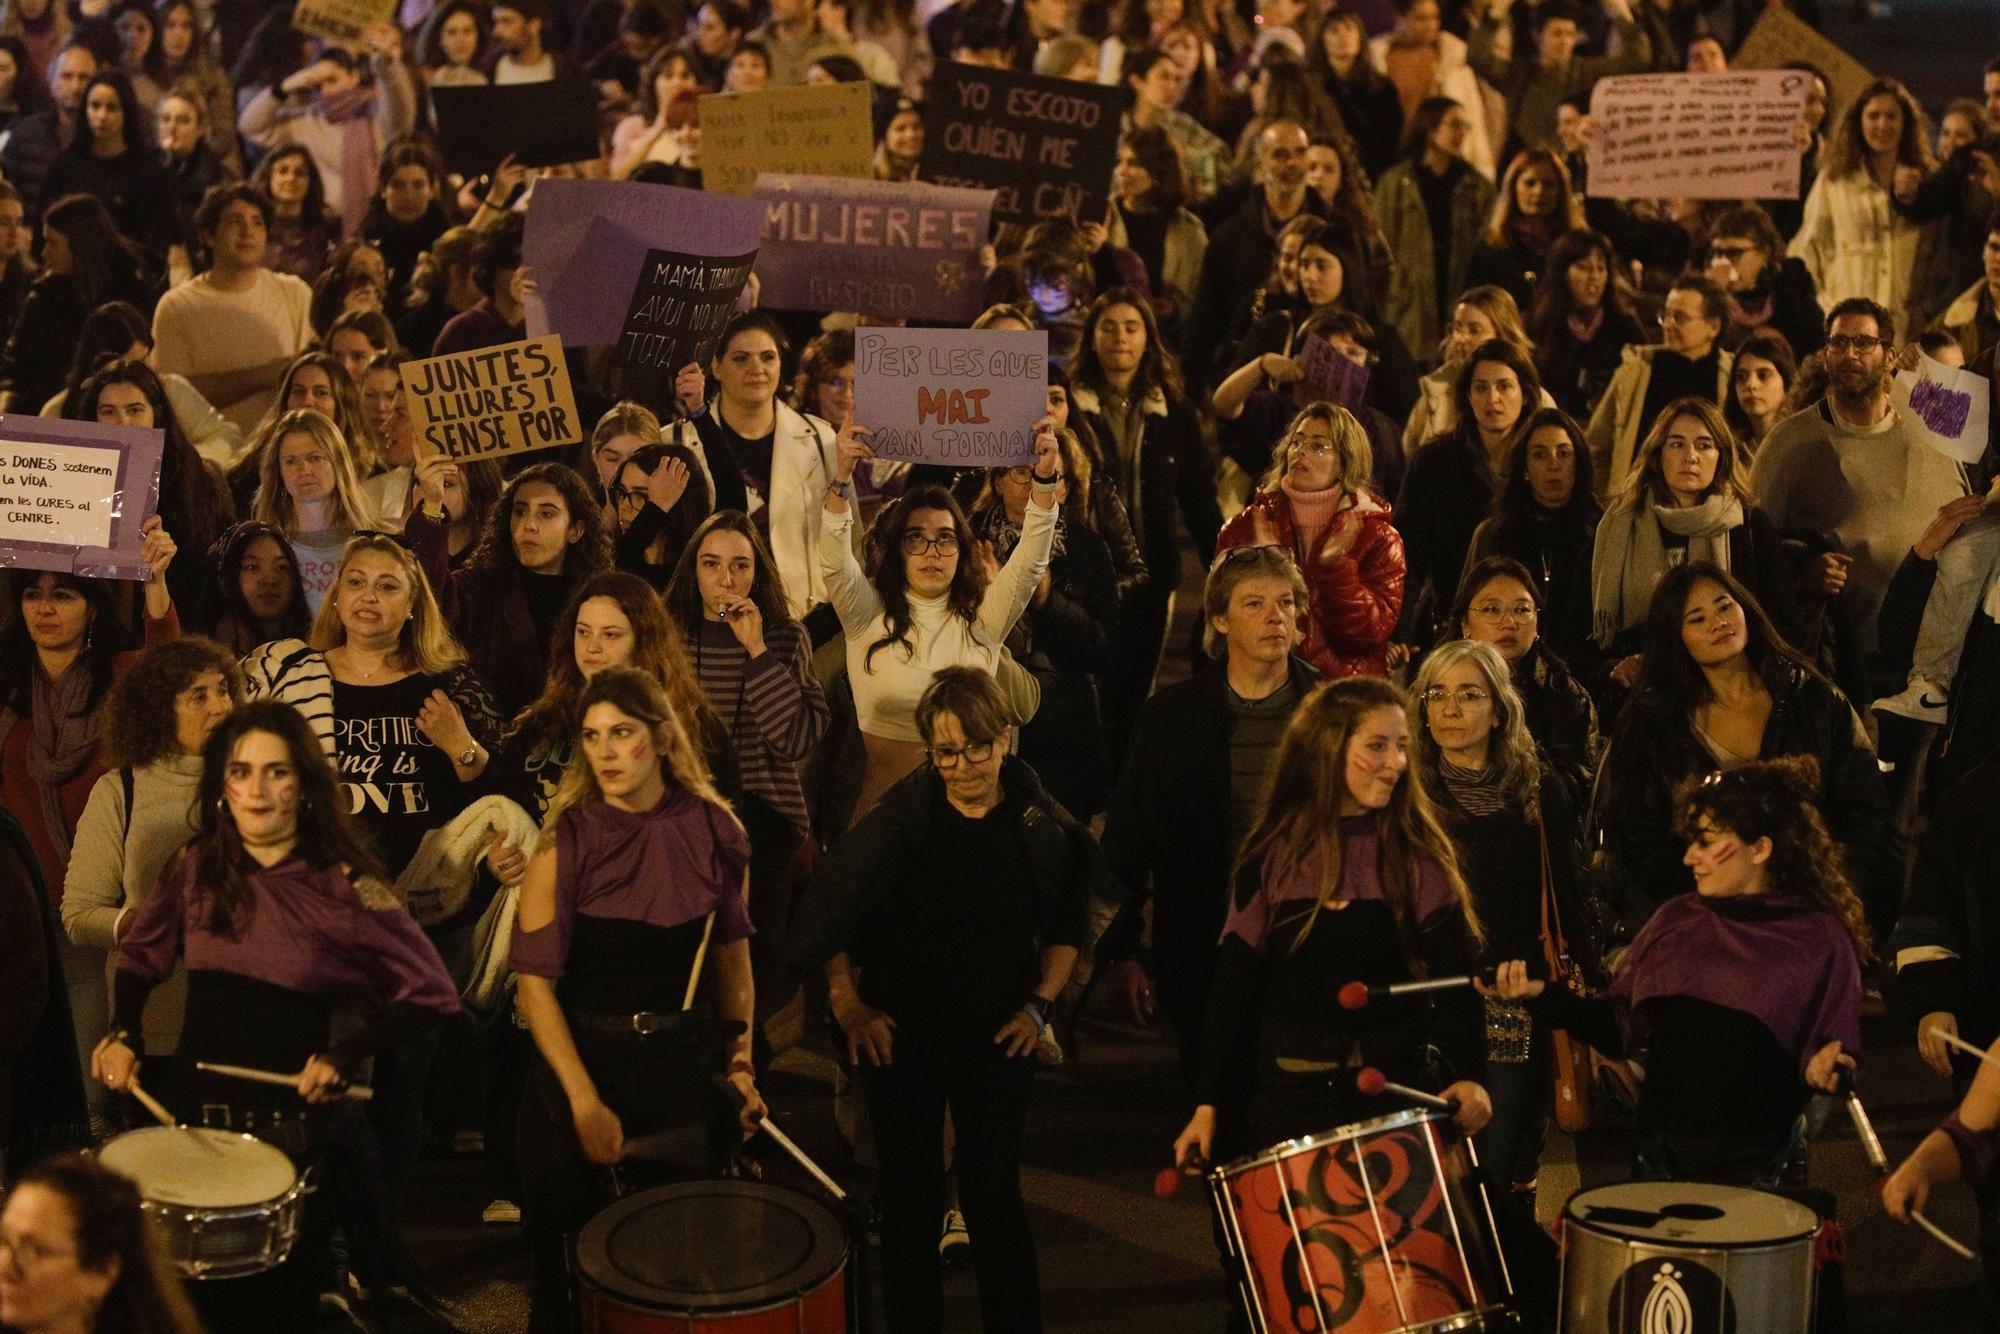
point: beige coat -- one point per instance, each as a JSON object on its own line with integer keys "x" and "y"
{"x": 1615, "y": 428}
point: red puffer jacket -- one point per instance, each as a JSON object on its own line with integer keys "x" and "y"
{"x": 1355, "y": 578}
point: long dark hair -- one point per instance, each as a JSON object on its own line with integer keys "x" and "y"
{"x": 1159, "y": 368}
{"x": 1424, "y": 121}
{"x": 102, "y": 261}
{"x": 30, "y": 93}
{"x": 657, "y": 651}
{"x": 1516, "y": 501}
{"x": 135, "y": 130}
{"x": 1779, "y": 799}
{"x": 193, "y": 505}
{"x": 112, "y": 1228}
{"x": 224, "y": 600}
{"x": 1665, "y": 667}
{"x": 327, "y": 835}
{"x": 18, "y": 660}
{"x": 1552, "y": 299}
{"x": 1768, "y": 345}
{"x": 885, "y": 558}
{"x": 156, "y": 63}
{"x": 583, "y": 558}
{"x": 683, "y": 592}
{"x": 111, "y": 330}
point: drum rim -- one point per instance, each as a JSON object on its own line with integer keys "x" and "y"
{"x": 1344, "y": 1134}
{"x": 213, "y": 1133}
{"x": 1572, "y": 1219}
{"x": 605, "y": 1220}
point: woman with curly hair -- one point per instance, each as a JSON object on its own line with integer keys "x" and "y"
{"x": 303, "y": 228}
{"x": 143, "y": 808}
{"x": 1535, "y": 205}
{"x": 1745, "y": 993}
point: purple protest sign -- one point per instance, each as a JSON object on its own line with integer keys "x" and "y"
{"x": 895, "y": 250}
{"x": 1329, "y": 376}
{"x": 586, "y": 243}
{"x": 968, "y": 397}
{"x": 73, "y": 496}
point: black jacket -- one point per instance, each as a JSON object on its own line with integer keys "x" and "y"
{"x": 1238, "y": 261}
{"x": 1562, "y": 720}
{"x": 1795, "y": 311}
{"x": 1556, "y": 548}
{"x": 1069, "y": 642}
{"x": 31, "y": 150}
{"x": 1166, "y": 835}
{"x": 1447, "y": 490}
{"x": 1950, "y": 928}
{"x": 1173, "y": 463}
{"x": 133, "y": 187}
{"x": 1575, "y": 370}
{"x": 1654, "y": 749}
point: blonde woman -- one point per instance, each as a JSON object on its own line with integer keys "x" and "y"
{"x": 1687, "y": 499}
{"x": 1535, "y": 205}
{"x": 307, "y": 489}
{"x": 638, "y": 885}
{"x": 1501, "y": 806}
{"x": 1481, "y": 313}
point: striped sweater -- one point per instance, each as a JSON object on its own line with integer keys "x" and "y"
{"x": 773, "y": 707}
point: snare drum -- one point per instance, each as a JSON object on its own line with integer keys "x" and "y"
{"x": 1368, "y": 1229}
{"x": 1682, "y": 1257}
{"x": 714, "y": 1257}
{"x": 220, "y": 1214}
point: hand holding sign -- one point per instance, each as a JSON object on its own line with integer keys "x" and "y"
{"x": 850, "y": 450}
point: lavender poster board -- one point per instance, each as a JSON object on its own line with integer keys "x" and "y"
{"x": 895, "y": 250}
{"x": 965, "y": 397}
{"x": 1328, "y": 376}
{"x": 586, "y": 243}
{"x": 74, "y": 494}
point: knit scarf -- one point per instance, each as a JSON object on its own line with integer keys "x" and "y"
{"x": 1631, "y": 555}
{"x": 992, "y": 525}
{"x": 62, "y": 739}
{"x": 349, "y": 111}
{"x": 1312, "y": 514}
{"x": 1534, "y": 235}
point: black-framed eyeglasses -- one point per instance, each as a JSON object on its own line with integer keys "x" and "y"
{"x": 1732, "y": 253}
{"x": 916, "y": 543}
{"x": 1861, "y": 343}
{"x": 624, "y": 495}
{"x": 947, "y": 757}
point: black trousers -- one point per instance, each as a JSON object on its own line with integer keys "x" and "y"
{"x": 987, "y": 1093}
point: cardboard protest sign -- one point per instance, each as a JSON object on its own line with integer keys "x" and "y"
{"x": 1946, "y": 407}
{"x": 678, "y": 309}
{"x": 499, "y": 400}
{"x": 1329, "y": 376}
{"x": 1780, "y": 37}
{"x": 892, "y": 249}
{"x": 968, "y": 397}
{"x": 541, "y": 124}
{"x": 1697, "y": 136}
{"x": 826, "y": 128}
{"x": 1046, "y": 145}
{"x": 341, "y": 20}
{"x": 587, "y": 242}
{"x": 74, "y": 494}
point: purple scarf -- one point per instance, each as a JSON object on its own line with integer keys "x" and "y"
{"x": 349, "y": 111}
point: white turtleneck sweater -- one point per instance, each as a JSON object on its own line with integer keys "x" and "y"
{"x": 886, "y": 691}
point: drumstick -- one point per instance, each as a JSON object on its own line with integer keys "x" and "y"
{"x": 165, "y": 1117}
{"x": 1371, "y": 1083}
{"x": 783, "y": 1141}
{"x": 700, "y": 953}
{"x": 1356, "y": 995}
{"x": 1871, "y": 1145}
{"x": 1953, "y": 1040}
{"x": 359, "y": 1092}
{"x": 1949, "y": 1242}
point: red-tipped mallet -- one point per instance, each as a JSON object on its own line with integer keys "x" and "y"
{"x": 1372, "y": 1083}
{"x": 1356, "y": 995}
{"x": 1168, "y": 1183}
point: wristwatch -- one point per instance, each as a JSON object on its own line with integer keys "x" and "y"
{"x": 471, "y": 753}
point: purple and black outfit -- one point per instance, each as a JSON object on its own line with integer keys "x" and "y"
{"x": 634, "y": 894}
{"x": 307, "y": 941}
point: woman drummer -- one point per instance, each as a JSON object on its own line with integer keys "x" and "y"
{"x": 641, "y": 876}
{"x": 1346, "y": 876}
{"x": 1745, "y": 994}
{"x": 281, "y": 914}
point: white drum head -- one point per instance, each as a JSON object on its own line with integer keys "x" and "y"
{"x": 171, "y": 1168}
{"x": 1690, "y": 1213}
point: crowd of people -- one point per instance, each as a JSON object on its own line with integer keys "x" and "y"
{"x": 1618, "y": 640}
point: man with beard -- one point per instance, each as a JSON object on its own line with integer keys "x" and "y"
{"x": 1850, "y": 472}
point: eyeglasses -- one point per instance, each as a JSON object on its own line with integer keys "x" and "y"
{"x": 1465, "y": 697}
{"x": 972, "y": 752}
{"x": 916, "y": 544}
{"x": 625, "y": 496}
{"x": 1498, "y": 611}
{"x": 28, "y": 1255}
{"x": 1860, "y": 343}
{"x": 1235, "y": 554}
{"x": 1319, "y": 449}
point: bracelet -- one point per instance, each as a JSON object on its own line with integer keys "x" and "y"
{"x": 1035, "y": 1017}
{"x": 1040, "y": 480}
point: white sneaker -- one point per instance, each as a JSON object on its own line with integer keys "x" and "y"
{"x": 1921, "y": 701}
{"x": 501, "y": 1211}
{"x": 954, "y": 1243}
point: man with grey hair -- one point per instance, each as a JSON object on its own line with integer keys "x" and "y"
{"x": 1201, "y": 754}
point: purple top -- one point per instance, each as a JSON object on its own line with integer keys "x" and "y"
{"x": 1290, "y": 879}
{"x": 678, "y": 861}
{"x": 307, "y": 930}
{"x": 1785, "y": 962}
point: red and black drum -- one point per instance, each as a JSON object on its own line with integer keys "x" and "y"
{"x": 714, "y": 1257}
{"x": 1375, "y": 1228}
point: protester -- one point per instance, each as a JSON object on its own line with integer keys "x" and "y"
{"x": 1546, "y": 519}
{"x": 1535, "y": 206}
{"x": 1581, "y": 321}
{"x": 1691, "y": 363}
{"x": 85, "y": 263}
{"x": 1432, "y": 204}
{"x": 1760, "y": 378}
{"x": 81, "y": 1254}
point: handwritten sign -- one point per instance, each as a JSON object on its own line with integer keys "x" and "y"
{"x": 497, "y": 400}
{"x": 587, "y": 242}
{"x": 826, "y": 128}
{"x": 1946, "y": 407}
{"x": 891, "y": 249}
{"x": 1780, "y": 37}
{"x": 1329, "y": 376}
{"x": 678, "y": 309}
{"x": 74, "y": 494}
{"x": 967, "y": 397}
{"x": 1697, "y": 136}
{"x": 341, "y": 20}
{"x": 1046, "y": 145}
